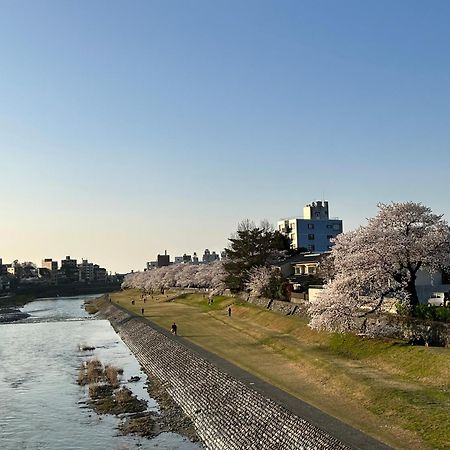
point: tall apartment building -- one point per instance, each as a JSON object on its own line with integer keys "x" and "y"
{"x": 52, "y": 267}
{"x": 314, "y": 231}
{"x": 86, "y": 270}
{"x": 69, "y": 268}
{"x": 49, "y": 264}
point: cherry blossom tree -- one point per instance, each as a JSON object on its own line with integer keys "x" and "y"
{"x": 208, "y": 276}
{"x": 266, "y": 282}
{"x": 380, "y": 261}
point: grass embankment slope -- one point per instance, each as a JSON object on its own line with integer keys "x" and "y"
{"x": 395, "y": 392}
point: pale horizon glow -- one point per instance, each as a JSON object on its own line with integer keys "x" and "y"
{"x": 130, "y": 128}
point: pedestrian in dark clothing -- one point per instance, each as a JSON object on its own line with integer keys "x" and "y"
{"x": 229, "y": 311}
{"x": 174, "y": 329}
{"x": 142, "y": 311}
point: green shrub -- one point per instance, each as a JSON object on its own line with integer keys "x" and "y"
{"x": 436, "y": 313}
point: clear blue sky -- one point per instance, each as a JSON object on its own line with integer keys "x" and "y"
{"x": 130, "y": 127}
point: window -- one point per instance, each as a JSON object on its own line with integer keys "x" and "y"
{"x": 336, "y": 226}
{"x": 311, "y": 237}
{"x": 311, "y": 226}
{"x": 311, "y": 248}
{"x": 329, "y": 226}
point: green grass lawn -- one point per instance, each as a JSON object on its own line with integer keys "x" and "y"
{"x": 395, "y": 392}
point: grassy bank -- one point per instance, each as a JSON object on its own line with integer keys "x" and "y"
{"x": 395, "y": 392}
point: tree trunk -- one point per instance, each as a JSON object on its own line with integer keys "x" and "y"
{"x": 412, "y": 291}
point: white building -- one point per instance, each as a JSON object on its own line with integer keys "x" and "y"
{"x": 315, "y": 231}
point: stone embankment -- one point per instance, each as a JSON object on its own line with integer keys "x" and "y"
{"x": 381, "y": 325}
{"x": 300, "y": 308}
{"x": 226, "y": 413}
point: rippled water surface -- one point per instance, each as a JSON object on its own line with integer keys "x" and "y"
{"x": 41, "y": 405}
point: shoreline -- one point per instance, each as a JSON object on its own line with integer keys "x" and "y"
{"x": 149, "y": 424}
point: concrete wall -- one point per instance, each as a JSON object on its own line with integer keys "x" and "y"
{"x": 313, "y": 294}
{"x": 226, "y": 413}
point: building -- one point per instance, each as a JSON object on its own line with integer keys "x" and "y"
{"x": 100, "y": 274}
{"x": 49, "y": 264}
{"x": 86, "y": 271}
{"x": 187, "y": 259}
{"x": 429, "y": 282}
{"x": 163, "y": 260}
{"x": 315, "y": 231}
{"x": 49, "y": 268}
{"x": 209, "y": 257}
{"x": 195, "y": 258}
{"x": 69, "y": 269}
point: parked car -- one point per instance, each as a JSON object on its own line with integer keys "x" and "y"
{"x": 439, "y": 299}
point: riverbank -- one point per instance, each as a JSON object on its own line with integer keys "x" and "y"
{"x": 10, "y": 303}
{"x": 228, "y": 412}
{"x": 395, "y": 392}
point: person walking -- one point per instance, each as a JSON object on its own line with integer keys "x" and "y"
{"x": 142, "y": 311}
{"x": 174, "y": 329}
{"x": 229, "y": 311}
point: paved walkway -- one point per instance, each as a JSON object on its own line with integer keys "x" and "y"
{"x": 351, "y": 437}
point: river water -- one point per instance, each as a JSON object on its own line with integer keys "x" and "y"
{"x": 41, "y": 404}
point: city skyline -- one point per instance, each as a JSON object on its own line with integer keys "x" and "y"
{"x": 128, "y": 129}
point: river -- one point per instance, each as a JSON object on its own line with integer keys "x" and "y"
{"x": 41, "y": 404}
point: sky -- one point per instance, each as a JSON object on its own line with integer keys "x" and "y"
{"x": 132, "y": 127}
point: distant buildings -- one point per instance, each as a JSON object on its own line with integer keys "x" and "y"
{"x": 16, "y": 274}
{"x": 164, "y": 260}
{"x": 315, "y": 231}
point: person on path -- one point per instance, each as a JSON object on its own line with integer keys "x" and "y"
{"x": 174, "y": 329}
{"x": 142, "y": 311}
{"x": 229, "y": 311}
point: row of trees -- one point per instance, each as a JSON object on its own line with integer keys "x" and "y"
{"x": 209, "y": 276}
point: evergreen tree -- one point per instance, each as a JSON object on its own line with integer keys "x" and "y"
{"x": 252, "y": 246}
